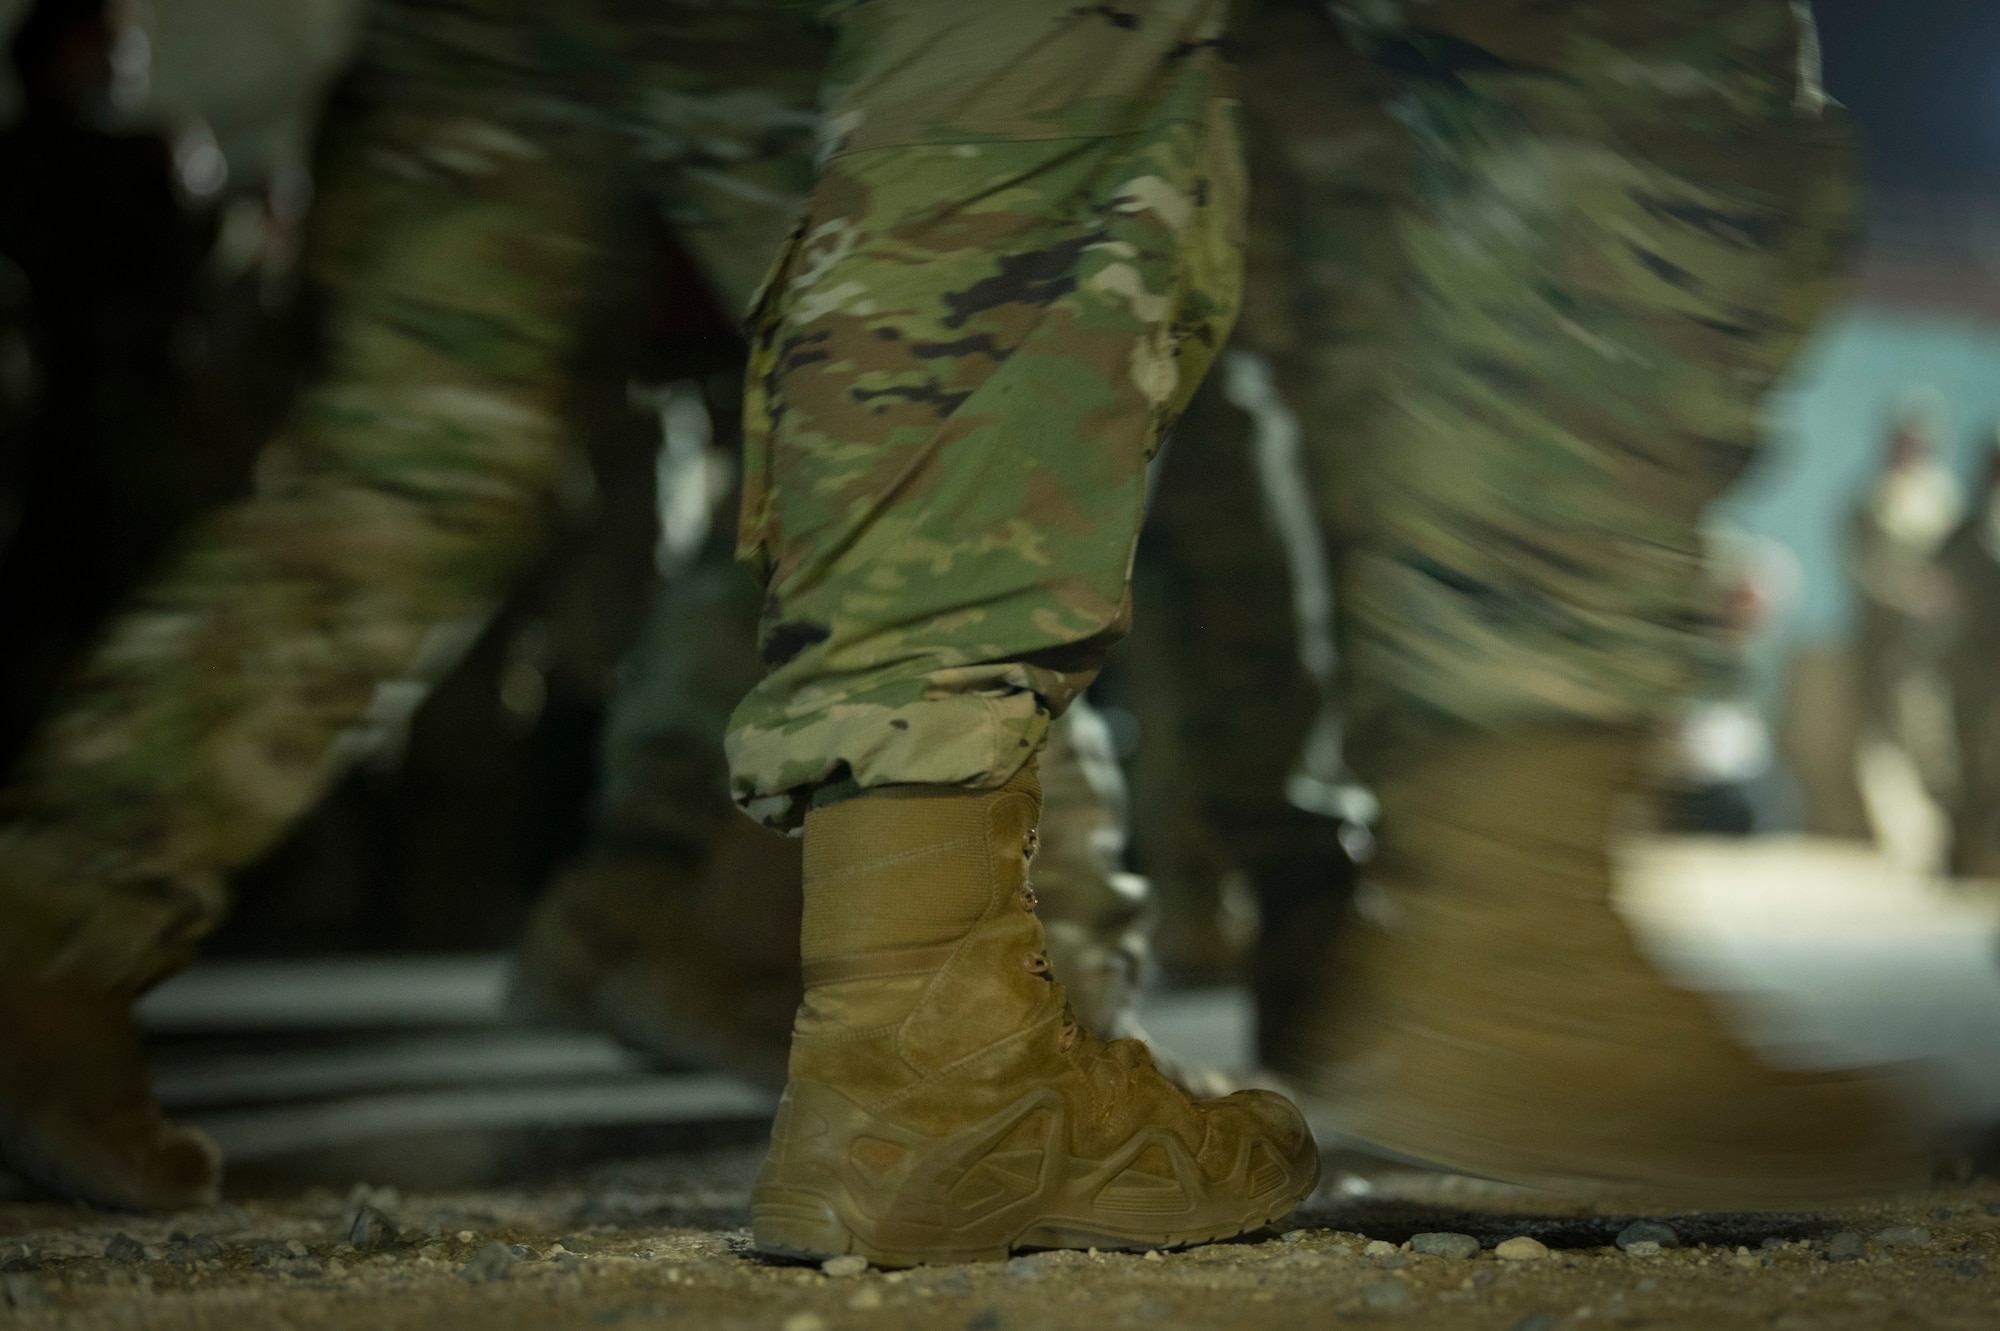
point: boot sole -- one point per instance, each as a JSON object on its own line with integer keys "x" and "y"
{"x": 94, "y": 1175}
{"x": 1003, "y": 1184}
{"x": 804, "y": 1228}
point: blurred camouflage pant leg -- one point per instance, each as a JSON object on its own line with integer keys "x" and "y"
{"x": 465, "y": 234}
{"x": 455, "y": 237}
{"x": 1520, "y": 305}
{"x": 1017, "y": 263}
{"x": 1231, "y": 667}
{"x": 1213, "y": 675}
{"x": 1616, "y": 228}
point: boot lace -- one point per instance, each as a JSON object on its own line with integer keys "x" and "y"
{"x": 1037, "y": 962}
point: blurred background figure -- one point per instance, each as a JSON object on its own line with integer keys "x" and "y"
{"x": 1898, "y": 530}
{"x": 1970, "y": 561}
{"x": 1721, "y": 771}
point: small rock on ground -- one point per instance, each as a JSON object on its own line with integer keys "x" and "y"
{"x": 191, "y": 1249}
{"x": 371, "y": 1229}
{"x": 852, "y": 1264}
{"x": 489, "y": 1263}
{"x": 1846, "y": 1246}
{"x": 124, "y": 1248}
{"x": 1378, "y": 1248}
{"x": 1457, "y": 1247}
{"x": 1648, "y": 1231}
{"x": 1521, "y": 1249}
{"x": 23, "y": 1292}
{"x": 1384, "y": 1294}
{"x": 1904, "y": 1236}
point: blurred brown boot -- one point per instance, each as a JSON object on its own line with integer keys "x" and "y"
{"x": 76, "y": 1106}
{"x": 693, "y": 963}
{"x": 1493, "y": 1014}
{"x": 944, "y": 1104}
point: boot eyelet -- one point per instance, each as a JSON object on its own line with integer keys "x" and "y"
{"x": 1037, "y": 963}
{"x": 1028, "y": 899}
{"x": 1032, "y": 844}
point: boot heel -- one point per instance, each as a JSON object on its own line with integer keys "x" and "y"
{"x": 786, "y": 1222}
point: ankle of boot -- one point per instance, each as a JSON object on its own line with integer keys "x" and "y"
{"x": 912, "y": 868}
{"x": 895, "y": 883}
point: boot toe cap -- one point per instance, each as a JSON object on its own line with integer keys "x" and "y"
{"x": 1283, "y": 1154}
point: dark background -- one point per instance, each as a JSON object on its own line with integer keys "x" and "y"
{"x": 1921, "y": 79}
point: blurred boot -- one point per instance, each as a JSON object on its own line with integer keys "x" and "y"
{"x": 1492, "y": 1014}
{"x": 695, "y": 961}
{"x": 77, "y": 1112}
{"x": 944, "y": 1103}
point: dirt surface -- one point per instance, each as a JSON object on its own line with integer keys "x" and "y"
{"x": 662, "y": 1242}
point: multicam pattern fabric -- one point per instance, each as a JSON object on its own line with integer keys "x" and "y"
{"x": 1021, "y": 255}
{"x": 1525, "y": 270}
{"x": 470, "y": 242}
{"x": 1544, "y": 277}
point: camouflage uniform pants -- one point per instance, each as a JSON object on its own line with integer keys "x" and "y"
{"x": 469, "y": 233}
{"x": 1525, "y": 288}
{"x": 469, "y": 237}
{"x": 1602, "y": 242}
{"x": 1527, "y": 270}
{"x": 1019, "y": 259}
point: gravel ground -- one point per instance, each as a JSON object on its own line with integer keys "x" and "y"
{"x": 662, "y": 1242}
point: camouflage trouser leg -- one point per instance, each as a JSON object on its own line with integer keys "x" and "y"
{"x": 1213, "y": 674}
{"x": 1015, "y": 267}
{"x": 461, "y": 218}
{"x": 664, "y": 798}
{"x": 1614, "y": 228}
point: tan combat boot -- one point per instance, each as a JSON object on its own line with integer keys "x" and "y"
{"x": 944, "y": 1105}
{"x": 76, "y": 1106}
{"x": 77, "y": 1113}
{"x": 1492, "y": 1013}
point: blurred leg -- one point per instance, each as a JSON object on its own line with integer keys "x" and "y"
{"x": 460, "y": 240}
{"x": 1617, "y": 228}
{"x": 458, "y": 230}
